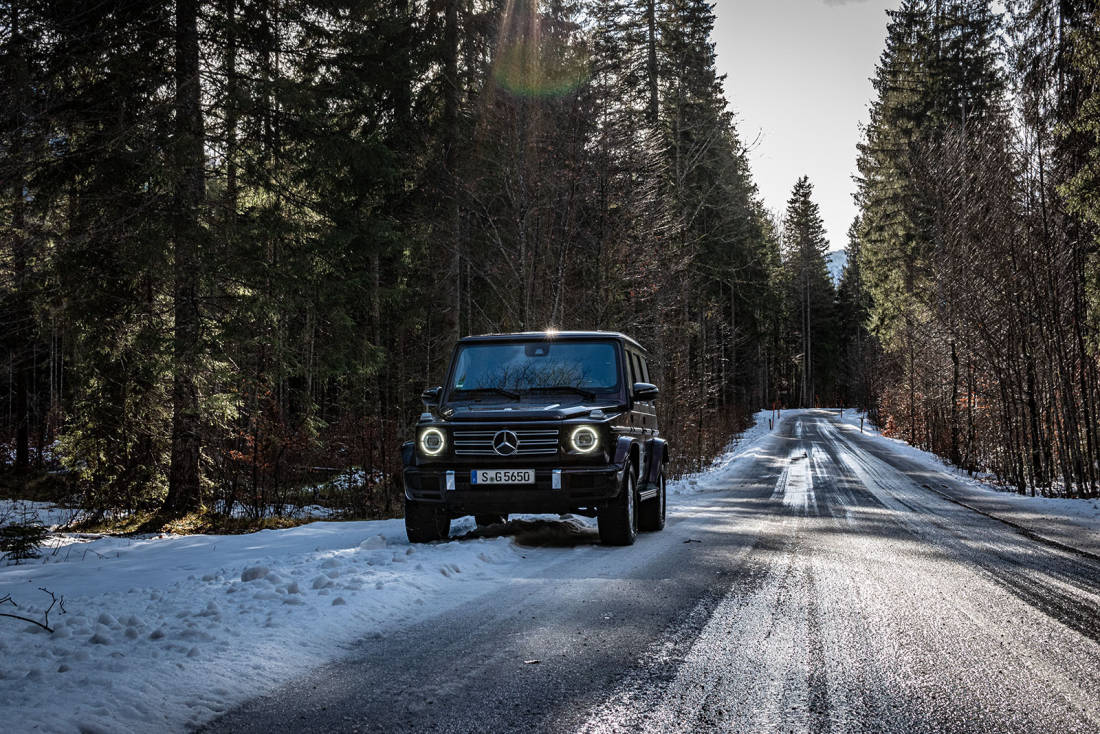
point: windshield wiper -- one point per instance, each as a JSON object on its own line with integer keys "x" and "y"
{"x": 565, "y": 388}
{"x": 497, "y": 390}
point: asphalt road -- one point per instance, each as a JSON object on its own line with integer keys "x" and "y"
{"x": 829, "y": 589}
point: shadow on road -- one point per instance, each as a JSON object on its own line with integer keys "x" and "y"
{"x": 565, "y": 532}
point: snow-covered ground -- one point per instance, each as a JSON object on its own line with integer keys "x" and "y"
{"x": 24, "y": 512}
{"x": 166, "y": 632}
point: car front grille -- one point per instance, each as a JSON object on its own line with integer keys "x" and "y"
{"x": 532, "y": 442}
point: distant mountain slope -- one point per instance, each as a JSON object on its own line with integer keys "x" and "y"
{"x": 836, "y": 261}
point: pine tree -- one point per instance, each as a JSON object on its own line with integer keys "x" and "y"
{"x": 18, "y": 98}
{"x": 1081, "y": 128}
{"x": 855, "y": 343}
{"x": 806, "y": 251}
{"x": 938, "y": 73}
{"x": 717, "y": 243}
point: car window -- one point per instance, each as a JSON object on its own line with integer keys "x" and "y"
{"x": 645, "y": 370}
{"x": 519, "y": 366}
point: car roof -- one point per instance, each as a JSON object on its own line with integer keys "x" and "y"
{"x": 570, "y": 335}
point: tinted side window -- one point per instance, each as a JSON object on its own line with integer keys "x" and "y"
{"x": 635, "y": 372}
{"x": 645, "y": 369}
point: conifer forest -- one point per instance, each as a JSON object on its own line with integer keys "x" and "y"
{"x": 238, "y": 238}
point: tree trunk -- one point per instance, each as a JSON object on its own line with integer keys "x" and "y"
{"x": 653, "y": 106}
{"x": 954, "y": 452}
{"x": 451, "y": 132}
{"x": 22, "y": 315}
{"x": 231, "y": 111}
{"x": 183, "y": 478}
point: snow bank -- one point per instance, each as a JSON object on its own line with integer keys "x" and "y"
{"x": 742, "y": 450}
{"x": 166, "y": 632}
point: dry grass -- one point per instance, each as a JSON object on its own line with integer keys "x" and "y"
{"x": 195, "y": 523}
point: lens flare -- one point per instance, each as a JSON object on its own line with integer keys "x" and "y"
{"x": 532, "y": 61}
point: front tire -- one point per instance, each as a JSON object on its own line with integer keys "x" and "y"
{"x": 651, "y": 516}
{"x": 618, "y": 519}
{"x": 426, "y": 522}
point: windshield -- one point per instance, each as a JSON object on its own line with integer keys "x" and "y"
{"x": 508, "y": 370}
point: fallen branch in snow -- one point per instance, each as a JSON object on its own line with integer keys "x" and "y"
{"x": 45, "y": 623}
{"x": 87, "y": 550}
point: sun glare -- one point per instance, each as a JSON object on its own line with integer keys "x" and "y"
{"x": 533, "y": 61}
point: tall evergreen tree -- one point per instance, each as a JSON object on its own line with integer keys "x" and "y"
{"x": 855, "y": 343}
{"x": 806, "y": 251}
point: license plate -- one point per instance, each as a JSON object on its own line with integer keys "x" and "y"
{"x": 502, "y": 476}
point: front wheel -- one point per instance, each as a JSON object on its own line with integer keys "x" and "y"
{"x": 651, "y": 516}
{"x": 425, "y": 522}
{"x": 618, "y": 519}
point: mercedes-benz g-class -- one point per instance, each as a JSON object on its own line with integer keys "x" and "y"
{"x": 539, "y": 422}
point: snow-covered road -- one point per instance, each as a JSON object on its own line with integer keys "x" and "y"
{"x": 815, "y": 578}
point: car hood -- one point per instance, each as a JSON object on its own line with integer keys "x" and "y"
{"x": 523, "y": 412}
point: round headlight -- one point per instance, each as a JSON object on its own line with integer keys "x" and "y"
{"x": 585, "y": 439}
{"x": 432, "y": 441}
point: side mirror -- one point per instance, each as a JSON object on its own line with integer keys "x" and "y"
{"x": 431, "y": 396}
{"x": 645, "y": 392}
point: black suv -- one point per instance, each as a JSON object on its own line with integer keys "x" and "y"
{"x": 538, "y": 422}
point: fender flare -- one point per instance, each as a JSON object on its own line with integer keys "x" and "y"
{"x": 622, "y": 450}
{"x": 656, "y": 457}
{"x": 408, "y": 453}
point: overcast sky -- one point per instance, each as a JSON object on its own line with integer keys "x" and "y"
{"x": 798, "y": 77}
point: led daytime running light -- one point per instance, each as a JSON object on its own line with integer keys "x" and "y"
{"x": 584, "y": 439}
{"x": 432, "y": 441}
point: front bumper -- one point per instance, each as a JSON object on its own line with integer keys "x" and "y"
{"x": 581, "y": 487}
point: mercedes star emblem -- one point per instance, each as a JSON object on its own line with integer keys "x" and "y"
{"x": 505, "y": 443}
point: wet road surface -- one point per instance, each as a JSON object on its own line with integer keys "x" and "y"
{"x": 828, "y": 588}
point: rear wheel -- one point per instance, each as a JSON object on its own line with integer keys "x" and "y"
{"x": 651, "y": 516}
{"x": 425, "y": 522}
{"x": 618, "y": 519}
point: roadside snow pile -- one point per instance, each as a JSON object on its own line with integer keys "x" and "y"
{"x": 165, "y": 633}
{"x": 744, "y": 448}
{"x": 859, "y": 419}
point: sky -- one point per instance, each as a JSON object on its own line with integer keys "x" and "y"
{"x": 798, "y": 77}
